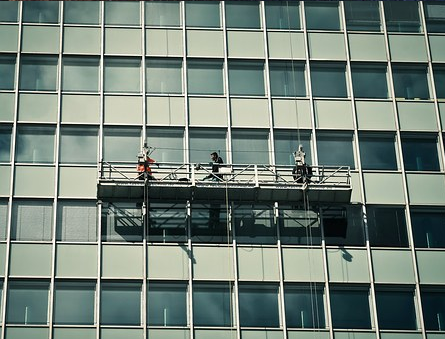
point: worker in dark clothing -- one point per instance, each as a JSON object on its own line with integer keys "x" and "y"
{"x": 216, "y": 162}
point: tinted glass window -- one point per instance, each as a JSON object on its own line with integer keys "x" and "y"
{"x": 35, "y": 144}
{"x": 322, "y": 15}
{"x": 420, "y": 154}
{"x": 363, "y": 76}
{"x": 3, "y": 218}
{"x": 254, "y": 224}
{"x": 121, "y": 222}
{"x": 32, "y": 220}
{"x": 304, "y": 306}
{"x": 122, "y": 75}
{"x": 299, "y": 226}
{"x": 439, "y": 81}
{"x": 282, "y": 14}
{"x": 76, "y": 220}
{"x": 343, "y": 226}
{"x": 387, "y": 226}
{"x": 80, "y": 74}
{"x": 168, "y": 144}
{"x": 287, "y": 142}
{"x": 8, "y": 11}
{"x": 205, "y": 77}
{"x": 258, "y": 306}
{"x": 211, "y": 305}
{"x": 5, "y": 143}
{"x": 435, "y": 16}
{"x": 328, "y": 80}
{"x": 121, "y": 144}
{"x": 242, "y": 14}
{"x": 122, "y": 13}
{"x": 206, "y": 141}
{"x": 428, "y": 229}
{"x": 350, "y": 308}
{"x": 203, "y": 14}
{"x": 162, "y": 13}
{"x": 287, "y": 79}
{"x": 250, "y": 147}
{"x": 402, "y": 16}
{"x": 74, "y": 303}
{"x": 246, "y": 78}
{"x": 378, "y": 152}
{"x": 7, "y": 72}
{"x": 120, "y": 304}
{"x": 396, "y": 310}
{"x": 164, "y": 76}
{"x": 78, "y": 145}
{"x": 362, "y": 16}
{"x": 209, "y": 223}
{"x": 41, "y": 11}
{"x": 410, "y": 82}
{"x": 167, "y": 222}
{"x": 335, "y": 150}
{"x": 38, "y": 73}
{"x": 86, "y": 12}
{"x": 433, "y": 305}
{"x": 167, "y": 304}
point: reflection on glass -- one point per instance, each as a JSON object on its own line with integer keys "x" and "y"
{"x": 439, "y": 81}
{"x": 122, "y": 75}
{"x": 32, "y": 220}
{"x": 167, "y": 222}
{"x": 242, "y": 14}
{"x": 299, "y": 226}
{"x": 38, "y": 73}
{"x": 287, "y": 142}
{"x": 410, "y": 82}
{"x": 162, "y": 13}
{"x": 206, "y": 141}
{"x": 258, "y": 306}
{"x": 74, "y": 303}
{"x": 122, "y": 144}
{"x": 378, "y": 152}
{"x": 402, "y": 16}
{"x": 35, "y": 144}
{"x": 209, "y": 223}
{"x": 211, "y": 305}
{"x": 322, "y": 15}
{"x": 78, "y": 145}
{"x": 8, "y": 11}
{"x": 120, "y": 304}
{"x": 27, "y": 303}
{"x": 396, "y": 310}
{"x": 329, "y": 80}
{"x": 7, "y": 72}
{"x": 205, "y": 77}
{"x": 80, "y": 74}
{"x": 122, "y": 13}
{"x": 122, "y": 222}
{"x": 344, "y": 226}
{"x": 363, "y": 76}
{"x": 5, "y": 143}
{"x": 164, "y": 76}
{"x": 433, "y": 305}
{"x": 387, "y": 226}
{"x": 350, "y": 308}
{"x": 246, "y": 78}
{"x": 76, "y": 220}
{"x": 287, "y": 79}
{"x": 335, "y": 150}
{"x": 202, "y": 14}
{"x": 41, "y": 11}
{"x": 304, "y": 306}
{"x": 428, "y": 229}
{"x": 254, "y": 224}
{"x": 362, "y": 16}
{"x": 167, "y": 304}
{"x": 85, "y": 12}
{"x": 168, "y": 144}
{"x": 282, "y": 14}
{"x": 435, "y": 16}
{"x": 420, "y": 153}
{"x": 250, "y": 147}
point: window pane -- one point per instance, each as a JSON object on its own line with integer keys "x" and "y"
{"x": 168, "y": 144}
{"x": 206, "y": 141}
{"x": 122, "y": 222}
{"x": 335, "y": 150}
{"x": 167, "y": 304}
{"x": 362, "y": 16}
{"x": 3, "y": 218}
{"x": 396, "y": 310}
{"x": 258, "y": 306}
{"x": 205, "y": 77}
{"x": 420, "y": 154}
{"x": 35, "y": 144}
{"x": 122, "y": 13}
{"x": 122, "y": 75}
{"x": 322, "y": 15}
{"x": 164, "y": 76}
{"x": 27, "y": 303}
{"x": 32, "y": 220}
{"x": 282, "y": 15}
{"x": 242, "y": 14}
{"x": 254, "y": 224}
{"x": 202, "y": 14}
{"x": 211, "y": 305}
{"x": 362, "y": 76}
{"x": 74, "y": 303}
{"x": 78, "y": 145}
{"x": 246, "y": 78}
{"x": 435, "y": 16}
{"x": 433, "y": 304}
{"x": 343, "y": 227}
{"x": 304, "y": 306}
{"x": 76, "y": 220}
{"x": 428, "y": 229}
{"x": 41, "y": 11}
{"x": 439, "y": 81}
{"x": 249, "y": 147}
{"x": 387, "y": 226}
{"x": 80, "y": 74}
{"x": 7, "y": 72}
{"x": 209, "y": 223}
{"x": 378, "y": 152}
{"x": 329, "y": 80}
{"x": 162, "y": 13}
{"x": 299, "y": 226}
{"x": 38, "y": 73}
{"x": 120, "y": 304}
{"x": 5, "y": 143}
{"x": 410, "y": 82}
{"x": 167, "y": 222}
{"x": 402, "y": 16}
{"x": 287, "y": 142}
{"x": 350, "y": 309}
{"x": 122, "y": 144}
{"x": 85, "y": 12}
{"x": 8, "y": 11}
{"x": 287, "y": 79}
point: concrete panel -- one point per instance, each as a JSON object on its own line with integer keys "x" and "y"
{"x": 306, "y": 334}
{"x": 264, "y": 334}
{"x": 81, "y": 109}
{"x": 245, "y": 44}
{"x": 7, "y": 103}
{"x": 5, "y": 180}
{"x": 407, "y": 47}
{"x": 431, "y": 266}
{"x": 126, "y": 41}
{"x": 258, "y": 263}
{"x": 400, "y": 335}
{"x": 38, "y": 260}
{"x": 437, "y": 47}
{"x": 250, "y": 112}
{"x": 208, "y": 112}
{"x": 34, "y": 181}
{"x": 163, "y": 42}
{"x": 119, "y": 333}
{"x": 214, "y": 263}
{"x": 166, "y": 111}
{"x": 168, "y": 334}
{"x": 303, "y": 264}
{"x": 168, "y": 262}
{"x": 2, "y": 259}
{"x": 40, "y": 39}
{"x": 74, "y": 333}
{"x": 291, "y": 113}
{"x": 116, "y": 259}
{"x": 213, "y": 46}
{"x": 333, "y": 114}
{"x": 392, "y": 266}
{"x": 214, "y": 334}
{"x": 354, "y": 335}
{"x": 356, "y": 195}
{"x": 417, "y": 116}
{"x": 76, "y": 261}
{"x": 27, "y": 332}
{"x": 81, "y": 40}
{"x": 348, "y": 265}
{"x": 38, "y": 107}
{"x": 115, "y": 106}
{"x": 375, "y": 115}
{"x": 329, "y": 46}
{"x": 426, "y": 189}
{"x": 383, "y": 188}
{"x": 367, "y": 47}
{"x": 9, "y": 40}
{"x": 286, "y": 45}
{"x": 78, "y": 182}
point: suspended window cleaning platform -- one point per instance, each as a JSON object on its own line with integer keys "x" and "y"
{"x": 119, "y": 181}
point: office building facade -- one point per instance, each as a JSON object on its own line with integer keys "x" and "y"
{"x": 360, "y": 84}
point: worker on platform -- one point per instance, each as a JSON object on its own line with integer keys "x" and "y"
{"x": 144, "y": 162}
{"x": 301, "y": 171}
{"x": 216, "y": 162}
